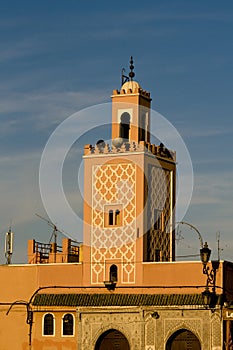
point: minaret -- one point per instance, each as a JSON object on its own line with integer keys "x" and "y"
{"x": 129, "y": 194}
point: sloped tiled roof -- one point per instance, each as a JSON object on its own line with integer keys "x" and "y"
{"x": 117, "y": 299}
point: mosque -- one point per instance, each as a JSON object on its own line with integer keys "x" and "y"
{"x": 121, "y": 289}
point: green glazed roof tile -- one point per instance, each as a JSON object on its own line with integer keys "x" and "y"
{"x": 84, "y": 299}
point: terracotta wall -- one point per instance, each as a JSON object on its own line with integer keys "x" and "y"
{"x": 58, "y": 341}
{"x": 182, "y": 277}
{"x": 18, "y": 283}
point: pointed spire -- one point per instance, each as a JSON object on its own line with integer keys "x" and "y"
{"x": 131, "y": 73}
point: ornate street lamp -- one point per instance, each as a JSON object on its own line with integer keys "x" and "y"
{"x": 209, "y": 297}
{"x": 205, "y": 253}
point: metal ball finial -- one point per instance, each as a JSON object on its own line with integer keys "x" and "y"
{"x": 131, "y": 73}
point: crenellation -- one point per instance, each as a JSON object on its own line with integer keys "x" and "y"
{"x": 133, "y": 90}
{"x": 107, "y": 148}
{"x": 87, "y": 149}
{"x": 159, "y": 150}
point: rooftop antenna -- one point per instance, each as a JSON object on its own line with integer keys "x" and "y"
{"x": 9, "y": 246}
{"x": 218, "y": 235}
{"x": 55, "y": 229}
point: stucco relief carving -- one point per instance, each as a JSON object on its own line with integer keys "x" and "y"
{"x": 216, "y": 332}
{"x": 143, "y": 332}
{"x": 113, "y": 184}
{"x": 150, "y": 332}
{"x": 195, "y": 325}
{"x": 128, "y": 323}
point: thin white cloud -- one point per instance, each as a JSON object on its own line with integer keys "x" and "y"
{"x": 44, "y": 110}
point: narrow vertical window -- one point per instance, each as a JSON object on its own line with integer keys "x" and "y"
{"x": 125, "y": 125}
{"x": 117, "y": 217}
{"x": 113, "y": 273}
{"x": 113, "y": 215}
{"x": 48, "y": 327}
{"x": 110, "y": 217}
{"x": 68, "y": 325}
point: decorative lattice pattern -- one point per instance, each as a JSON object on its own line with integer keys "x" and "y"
{"x": 216, "y": 332}
{"x": 150, "y": 333}
{"x": 159, "y": 200}
{"x": 93, "y": 325}
{"x": 113, "y": 184}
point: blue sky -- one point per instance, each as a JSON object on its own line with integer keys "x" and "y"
{"x": 58, "y": 57}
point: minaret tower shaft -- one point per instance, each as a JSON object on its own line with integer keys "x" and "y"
{"x": 129, "y": 199}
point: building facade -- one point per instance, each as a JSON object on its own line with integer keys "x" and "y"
{"x": 122, "y": 288}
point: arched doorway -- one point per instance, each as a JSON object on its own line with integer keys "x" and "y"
{"x": 183, "y": 340}
{"x": 112, "y": 340}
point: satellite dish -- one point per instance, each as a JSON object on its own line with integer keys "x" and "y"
{"x": 118, "y": 142}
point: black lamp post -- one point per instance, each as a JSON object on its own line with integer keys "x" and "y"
{"x": 205, "y": 253}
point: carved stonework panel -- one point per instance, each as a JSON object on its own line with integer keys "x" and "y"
{"x": 150, "y": 333}
{"x": 113, "y": 184}
{"x": 144, "y": 332}
{"x": 216, "y": 332}
{"x": 195, "y": 325}
{"x": 93, "y": 325}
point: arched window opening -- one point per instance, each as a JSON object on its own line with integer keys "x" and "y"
{"x": 110, "y": 217}
{"x": 68, "y": 324}
{"x": 125, "y": 126}
{"x": 48, "y": 327}
{"x": 113, "y": 273}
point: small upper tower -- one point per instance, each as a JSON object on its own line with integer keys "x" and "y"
{"x": 131, "y": 110}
